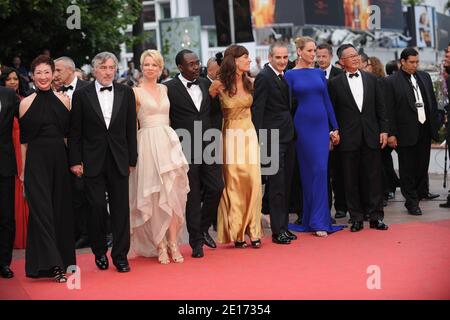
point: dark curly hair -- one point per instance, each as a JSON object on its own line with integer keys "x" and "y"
{"x": 5, "y": 74}
{"x": 227, "y": 72}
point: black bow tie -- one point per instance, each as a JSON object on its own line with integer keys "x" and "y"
{"x": 351, "y": 75}
{"x": 106, "y": 88}
{"x": 64, "y": 88}
{"x": 195, "y": 82}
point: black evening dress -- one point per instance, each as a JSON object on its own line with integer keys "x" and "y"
{"x": 50, "y": 241}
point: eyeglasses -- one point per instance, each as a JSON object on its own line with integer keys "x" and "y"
{"x": 352, "y": 56}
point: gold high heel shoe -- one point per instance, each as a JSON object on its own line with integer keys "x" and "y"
{"x": 163, "y": 256}
{"x": 175, "y": 252}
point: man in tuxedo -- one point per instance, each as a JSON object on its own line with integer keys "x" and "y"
{"x": 9, "y": 108}
{"x": 414, "y": 122}
{"x": 103, "y": 149}
{"x": 65, "y": 74}
{"x": 190, "y": 107}
{"x": 212, "y": 70}
{"x": 324, "y": 55}
{"x": 363, "y": 127}
{"x": 271, "y": 110}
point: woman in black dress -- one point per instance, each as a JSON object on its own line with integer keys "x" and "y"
{"x": 44, "y": 121}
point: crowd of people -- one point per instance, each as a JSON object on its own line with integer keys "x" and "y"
{"x": 82, "y": 159}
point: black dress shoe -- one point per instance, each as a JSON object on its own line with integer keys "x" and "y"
{"x": 385, "y": 202}
{"x": 379, "y": 225}
{"x": 102, "y": 262}
{"x": 197, "y": 252}
{"x": 415, "y": 211}
{"x": 291, "y": 236}
{"x": 82, "y": 243}
{"x": 357, "y": 226}
{"x": 340, "y": 214}
{"x": 391, "y": 195}
{"x": 122, "y": 267}
{"x": 280, "y": 239}
{"x": 445, "y": 205}
{"x": 6, "y": 272}
{"x": 209, "y": 241}
{"x": 430, "y": 196}
{"x": 298, "y": 221}
{"x": 366, "y": 217}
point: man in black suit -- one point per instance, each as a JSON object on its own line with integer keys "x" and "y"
{"x": 65, "y": 75}
{"x": 190, "y": 108}
{"x": 271, "y": 110}
{"x": 324, "y": 55}
{"x": 363, "y": 127}
{"x": 414, "y": 122}
{"x": 9, "y": 107}
{"x": 212, "y": 70}
{"x": 103, "y": 148}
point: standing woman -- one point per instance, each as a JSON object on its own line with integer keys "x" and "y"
{"x": 10, "y": 78}
{"x": 159, "y": 185}
{"x": 44, "y": 123}
{"x": 313, "y": 118}
{"x": 240, "y": 206}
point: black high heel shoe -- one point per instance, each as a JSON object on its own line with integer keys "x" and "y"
{"x": 240, "y": 244}
{"x": 256, "y": 244}
{"x": 58, "y": 275}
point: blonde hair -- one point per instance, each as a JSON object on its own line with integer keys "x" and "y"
{"x": 300, "y": 42}
{"x": 155, "y": 55}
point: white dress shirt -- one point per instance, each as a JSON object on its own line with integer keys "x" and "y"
{"x": 419, "y": 99}
{"x": 194, "y": 91}
{"x": 357, "y": 88}
{"x": 276, "y": 72}
{"x": 106, "y": 99}
{"x": 327, "y": 71}
{"x": 70, "y": 91}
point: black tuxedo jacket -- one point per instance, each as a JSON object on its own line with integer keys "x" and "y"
{"x": 184, "y": 114}
{"x": 355, "y": 125}
{"x": 402, "y": 111}
{"x": 89, "y": 138}
{"x": 9, "y": 109}
{"x": 81, "y": 84}
{"x": 216, "y": 111}
{"x": 272, "y": 105}
{"x": 334, "y": 72}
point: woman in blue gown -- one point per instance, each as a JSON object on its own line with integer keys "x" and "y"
{"x": 313, "y": 119}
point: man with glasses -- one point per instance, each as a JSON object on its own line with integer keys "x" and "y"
{"x": 357, "y": 99}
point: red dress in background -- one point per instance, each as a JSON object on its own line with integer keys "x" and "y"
{"x": 21, "y": 206}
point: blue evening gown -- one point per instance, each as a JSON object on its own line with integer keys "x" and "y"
{"x": 313, "y": 119}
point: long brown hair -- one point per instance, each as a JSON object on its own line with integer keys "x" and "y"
{"x": 377, "y": 67}
{"x": 227, "y": 72}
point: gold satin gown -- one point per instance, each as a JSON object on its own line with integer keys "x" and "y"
{"x": 240, "y": 206}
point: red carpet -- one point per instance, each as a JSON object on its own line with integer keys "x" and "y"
{"x": 414, "y": 259}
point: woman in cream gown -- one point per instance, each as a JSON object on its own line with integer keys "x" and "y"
{"x": 159, "y": 184}
{"x": 240, "y": 206}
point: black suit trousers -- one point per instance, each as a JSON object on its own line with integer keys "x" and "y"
{"x": 362, "y": 170}
{"x": 109, "y": 180}
{"x": 278, "y": 187}
{"x": 413, "y": 167}
{"x": 336, "y": 178}
{"x": 198, "y": 217}
{"x": 7, "y": 221}
{"x": 80, "y": 207}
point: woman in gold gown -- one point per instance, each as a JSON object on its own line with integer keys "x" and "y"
{"x": 240, "y": 206}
